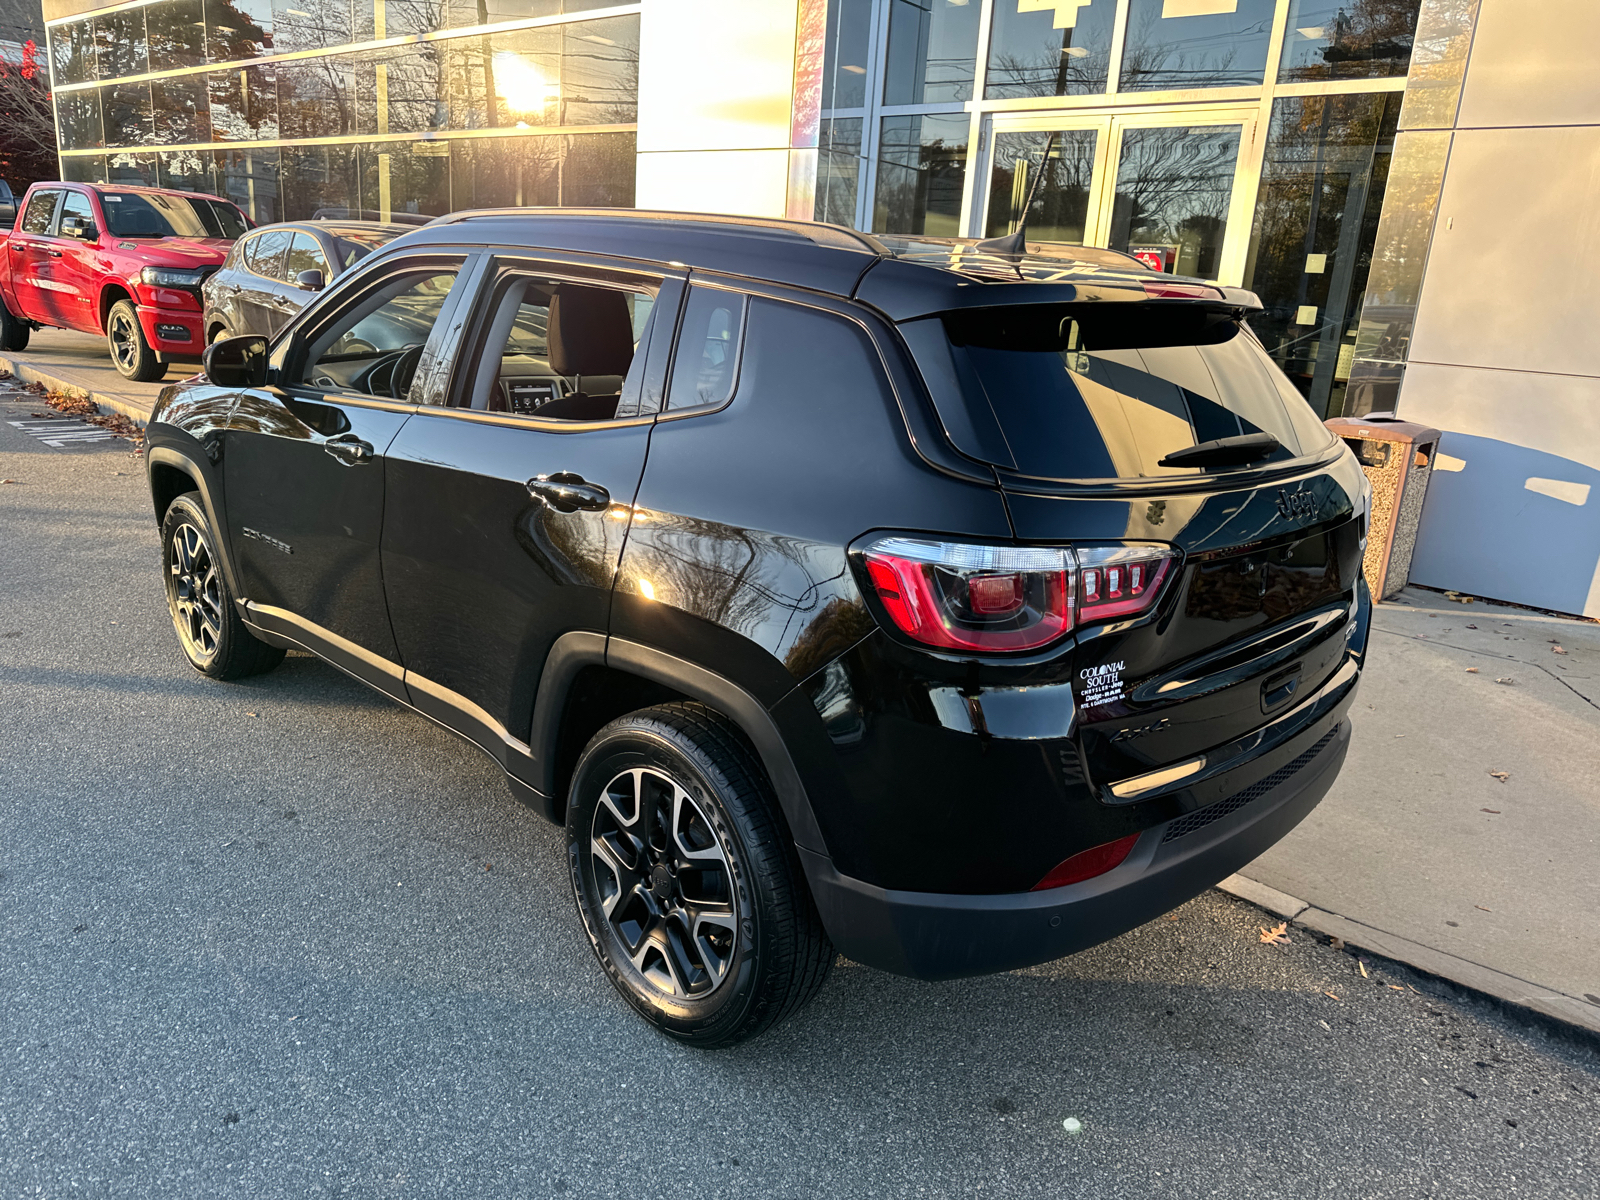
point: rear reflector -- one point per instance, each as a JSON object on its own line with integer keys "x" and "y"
{"x": 1086, "y": 864}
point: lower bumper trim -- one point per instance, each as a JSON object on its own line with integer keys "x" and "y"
{"x": 930, "y": 935}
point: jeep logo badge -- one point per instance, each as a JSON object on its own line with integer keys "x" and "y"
{"x": 1296, "y": 504}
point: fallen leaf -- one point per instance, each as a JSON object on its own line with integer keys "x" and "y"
{"x": 1471, "y": 626}
{"x": 1336, "y": 942}
{"x": 1502, "y": 776}
{"x": 250, "y": 714}
{"x": 1558, "y": 649}
{"x": 1395, "y": 987}
{"x": 1276, "y": 935}
{"x": 1326, "y": 1026}
{"x": 1363, "y": 967}
{"x": 8, "y": 481}
{"x": 1330, "y": 994}
{"x": 1472, "y": 670}
{"x": 1495, "y": 811}
{"x": 1505, "y": 679}
{"x": 1480, "y": 908}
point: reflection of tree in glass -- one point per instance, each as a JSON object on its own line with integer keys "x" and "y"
{"x": 1061, "y": 201}
{"x": 1361, "y": 37}
{"x": 1173, "y": 188}
{"x": 1162, "y": 55}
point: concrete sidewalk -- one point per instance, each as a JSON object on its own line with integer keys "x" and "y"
{"x": 1421, "y": 852}
{"x": 79, "y": 363}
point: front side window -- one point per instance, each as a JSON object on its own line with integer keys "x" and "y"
{"x": 706, "y": 361}
{"x": 264, "y": 255}
{"x": 561, "y": 350}
{"x": 41, "y": 210}
{"x": 374, "y": 345}
{"x": 75, "y": 205}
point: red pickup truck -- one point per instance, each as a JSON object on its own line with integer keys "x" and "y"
{"x": 127, "y": 262}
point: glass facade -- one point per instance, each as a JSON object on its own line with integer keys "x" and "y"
{"x": 382, "y": 107}
{"x": 1246, "y": 141}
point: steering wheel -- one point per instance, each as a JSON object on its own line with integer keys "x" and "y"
{"x": 390, "y": 375}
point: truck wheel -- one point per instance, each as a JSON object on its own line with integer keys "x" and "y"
{"x": 13, "y": 333}
{"x": 213, "y": 638}
{"x": 686, "y": 879}
{"x": 130, "y": 353}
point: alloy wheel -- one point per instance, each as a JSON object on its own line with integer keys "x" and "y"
{"x": 665, "y": 883}
{"x": 194, "y": 592}
{"x": 124, "y": 338}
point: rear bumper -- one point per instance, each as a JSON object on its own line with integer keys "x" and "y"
{"x": 943, "y": 936}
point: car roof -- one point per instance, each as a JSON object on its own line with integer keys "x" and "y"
{"x": 337, "y": 229}
{"x": 134, "y": 187}
{"x": 905, "y": 277}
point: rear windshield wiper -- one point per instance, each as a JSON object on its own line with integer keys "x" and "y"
{"x": 1247, "y": 447}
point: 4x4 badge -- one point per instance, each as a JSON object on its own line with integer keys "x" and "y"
{"x": 1296, "y": 504}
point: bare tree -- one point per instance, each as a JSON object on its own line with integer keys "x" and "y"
{"x": 27, "y": 120}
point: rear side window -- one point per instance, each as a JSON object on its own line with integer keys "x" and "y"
{"x": 705, "y": 363}
{"x": 264, "y": 254}
{"x": 305, "y": 254}
{"x": 41, "y": 208}
{"x": 1098, "y": 395}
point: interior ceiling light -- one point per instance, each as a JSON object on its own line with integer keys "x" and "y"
{"x": 1075, "y": 51}
{"x": 1312, "y": 32}
{"x": 854, "y": 70}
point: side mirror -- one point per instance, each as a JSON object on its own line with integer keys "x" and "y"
{"x": 77, "y": 227}
{"x": 237, "y": 362}
{"x": 310, "y": 280}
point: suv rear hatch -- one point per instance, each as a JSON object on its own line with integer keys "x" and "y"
{"x": 1150, "y": 414}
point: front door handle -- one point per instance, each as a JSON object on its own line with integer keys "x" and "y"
{"x": 349, "y": 449}
{"x": 566, "y": 492}
{"x": 55, "y": 254}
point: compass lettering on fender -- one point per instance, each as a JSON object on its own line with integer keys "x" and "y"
{"x": 1296, "y": 504}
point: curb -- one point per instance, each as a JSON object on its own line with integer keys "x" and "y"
{"x": 1570, "y": 1011}
{"x": 138, "y": 413}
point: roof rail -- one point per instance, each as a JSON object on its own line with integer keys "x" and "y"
{"x": 837, "y": 237}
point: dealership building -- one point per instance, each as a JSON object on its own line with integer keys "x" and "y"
{"x": 1408, "y": 185}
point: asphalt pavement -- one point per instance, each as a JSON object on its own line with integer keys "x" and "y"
{"x": 285, "y": 938}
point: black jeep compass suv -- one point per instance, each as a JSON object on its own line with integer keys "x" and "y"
{"x": 956, "y": 610}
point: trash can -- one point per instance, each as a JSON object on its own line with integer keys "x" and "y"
{"x": 1397, "y": 457}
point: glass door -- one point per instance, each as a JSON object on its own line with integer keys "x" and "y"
{"x": 1165, "y": 187}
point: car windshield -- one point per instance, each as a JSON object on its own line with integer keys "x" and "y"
{"x": 154, "y": 214}
{"x": 356, "y": 244}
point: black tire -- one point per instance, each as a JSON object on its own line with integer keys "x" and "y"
{"x": 763, "y": 953}
{"x": 130, "y": 352}
{"x": 13, "y": 332}
{"x": 214, "y": 639}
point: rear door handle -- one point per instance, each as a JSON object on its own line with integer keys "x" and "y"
{"x": 55, "y": 254}
{"x": 566, "y": 492}
{"x": 349, "y": 449}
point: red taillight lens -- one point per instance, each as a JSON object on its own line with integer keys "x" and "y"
{"x": 1086, "y": 864}
{"x": 955, "y": 596}
{"x": 1162, "y": 290}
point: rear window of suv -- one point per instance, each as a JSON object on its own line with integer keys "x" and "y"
{"x": 1105, "y": 392}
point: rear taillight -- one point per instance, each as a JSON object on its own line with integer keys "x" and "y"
{"x": 1086, "y": 864}
{"x": 957, "y": 596}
